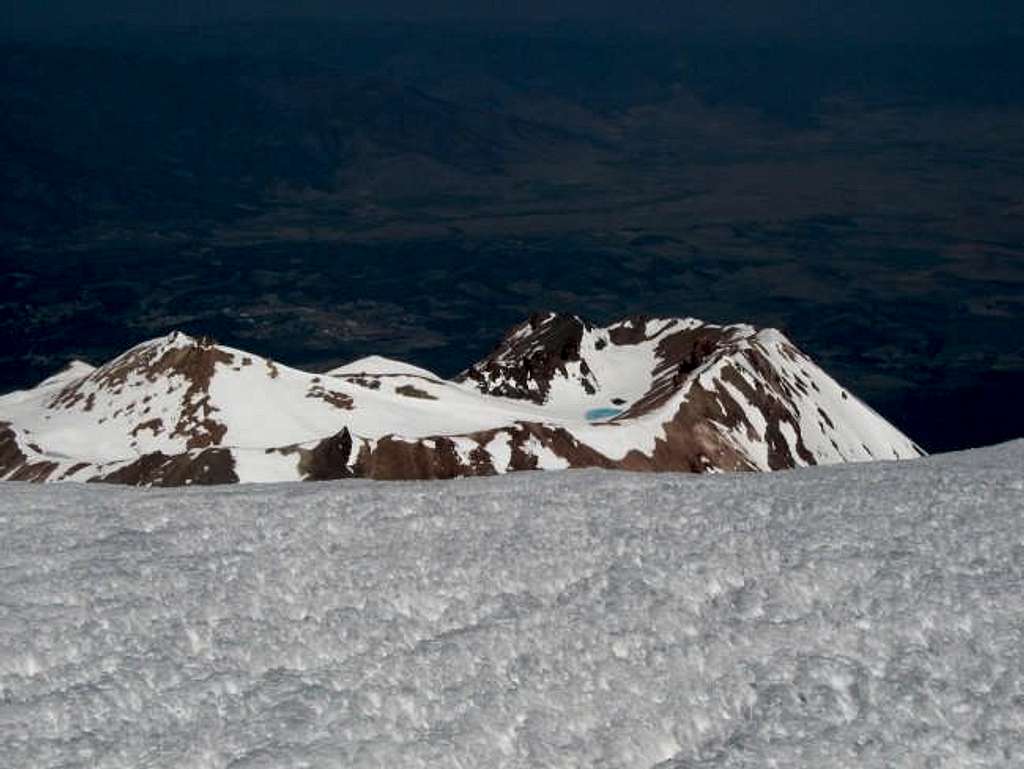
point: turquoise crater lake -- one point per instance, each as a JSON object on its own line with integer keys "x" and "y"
{"x": 598, "y": 415}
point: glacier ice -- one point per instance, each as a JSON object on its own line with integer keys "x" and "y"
{"x": 854, "y": 616}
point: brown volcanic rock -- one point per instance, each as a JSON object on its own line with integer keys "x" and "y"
{"x": 34, "y": 472}
{"x": 333, "y": 397}
{"x": 395, "y": 459}
{"x": 328, "y": 460}
{"x": 15, "y": 464}
{"x": 679, "y": 354}
{"x": 775, "y": 412}
{"x": 11, "y": 455}
{"x": 531, "y": 353}
{"x": 689, "y": 445}
{"x": 556, "y": 439}
{"x": 206, "y": 468}
{"x": 436, "y": 457}
{"x": 409, "y": 391}
{"x": 196, "y": 364}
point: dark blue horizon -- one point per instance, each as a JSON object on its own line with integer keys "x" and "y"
{"x": 862, "y": 19}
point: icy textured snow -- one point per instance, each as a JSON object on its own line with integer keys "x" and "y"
{"x": 855, "y": 616}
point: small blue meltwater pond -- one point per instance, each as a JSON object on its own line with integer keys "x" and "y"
{"x": 599, "y": 415}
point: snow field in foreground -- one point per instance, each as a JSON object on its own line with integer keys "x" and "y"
{"x": 854, "y": 616}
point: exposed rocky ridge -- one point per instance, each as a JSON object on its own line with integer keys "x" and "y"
{"x": 208, "y": 467}
{"x": 524, "y": 363}
{"x": 557, "y": 392}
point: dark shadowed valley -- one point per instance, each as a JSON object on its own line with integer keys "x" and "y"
{"x": 318, "y": 192}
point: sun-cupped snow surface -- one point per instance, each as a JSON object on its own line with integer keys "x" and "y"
{"x": 855, "y": 616}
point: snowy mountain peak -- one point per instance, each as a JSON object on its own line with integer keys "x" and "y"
{"x": 557, "y": 392}
{"x": 161, "y": 386}
{"x": 377, "y": 365}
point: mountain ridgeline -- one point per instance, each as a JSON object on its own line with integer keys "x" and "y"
{"x": 643, "y": 394}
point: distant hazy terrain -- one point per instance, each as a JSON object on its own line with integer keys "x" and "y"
{"x": 324, "y": 191}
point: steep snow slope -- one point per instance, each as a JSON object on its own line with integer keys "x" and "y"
{"x": 558, "y": 392}
{"x": 859, "y": 616}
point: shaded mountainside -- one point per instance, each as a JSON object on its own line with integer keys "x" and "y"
{"x": 242, "y": 127}
{"x": 557, "y": 392}
{"x": 137, "y": 138}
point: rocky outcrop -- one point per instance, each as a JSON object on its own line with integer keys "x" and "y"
{"x": 530, "y": 356}
{"x": 204, "y": 468}
{"x": 181, "y": 361}
{"x": 15, "y": 465}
